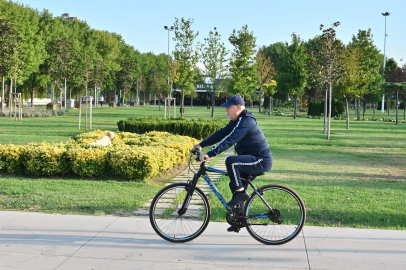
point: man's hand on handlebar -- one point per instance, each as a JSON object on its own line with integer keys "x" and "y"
{"x": 198, "y": 147}
{"x": 203, "y": 157}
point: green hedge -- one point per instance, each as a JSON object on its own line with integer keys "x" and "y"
{"x": 316, "y": 108}
{"x": 199, "y": 129}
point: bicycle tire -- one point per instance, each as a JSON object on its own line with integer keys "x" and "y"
{"x": 292, "y": 214}
{"x": 171, "y": 226}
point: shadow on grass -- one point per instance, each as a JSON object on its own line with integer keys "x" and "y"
{"x": 367, "y": 177}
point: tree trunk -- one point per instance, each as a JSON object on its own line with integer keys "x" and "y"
{"x": 404, "y": 110}
{"x": 10, "y": 95}
{"x": 191, "y": 101}
{"x": 397, "y": 105}
{"x": 294, "y": 113}
{"x": 358, "y": 105}
{"x": 213, "y": 102}
{"x": 182, "y": 103}
{"x": 60, "y": 99}
{"x": 329, "y": 112}
{"x": 388, "y": 106}
{"x": 2, "y": 96}
{"x": 155, "y": 99}
{"x": 32, "y": 97}
{"x": 325, "y": 111}
{"x": 373, "y": 107}
{"x": 260, "y": 99}
{"x": 348, "y": 113}
{"x": 364, "y": 107}
{"x": 270, "y": 106}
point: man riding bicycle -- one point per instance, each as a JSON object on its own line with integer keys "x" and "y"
{"x": 254, "y": 155}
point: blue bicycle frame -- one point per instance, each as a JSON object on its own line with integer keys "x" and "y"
{"x": 202, "y": 172}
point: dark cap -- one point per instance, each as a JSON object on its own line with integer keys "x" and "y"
{"x": 234, "y": 100}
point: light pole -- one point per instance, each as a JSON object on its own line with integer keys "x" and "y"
{"x": 169, "y": 29}
{"x": 386, "y": 14}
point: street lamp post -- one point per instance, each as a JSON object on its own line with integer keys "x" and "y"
{"x": 169, "y": 29}
{"x": 386, "y": 14}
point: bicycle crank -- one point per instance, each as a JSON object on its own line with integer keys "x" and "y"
{"x": 275, "y": 215}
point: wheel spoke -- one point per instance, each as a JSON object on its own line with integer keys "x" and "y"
{"x": 285, "y": 202}
{"x": 169, "y": 224}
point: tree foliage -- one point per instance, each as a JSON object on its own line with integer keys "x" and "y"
{"x": 266, "y": 72}
{"x": 243, "y": 70}
{"x": 186, "y": 56}
{"x": 11, "y": 53}
{"x": 213, "y": 55}
{"x": 327, "y": 63}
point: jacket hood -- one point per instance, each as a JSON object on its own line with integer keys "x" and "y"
{"x": 245, "y": 113}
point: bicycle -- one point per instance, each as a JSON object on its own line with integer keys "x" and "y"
{"x": 273, "y": 215}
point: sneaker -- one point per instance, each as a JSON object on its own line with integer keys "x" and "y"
{"x": 238, "y": 198}
{"x": 234, "y": 229}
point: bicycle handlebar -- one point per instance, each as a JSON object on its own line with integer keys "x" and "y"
{"x": 197, "y": 153}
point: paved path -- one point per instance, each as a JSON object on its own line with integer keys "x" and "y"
{"x": 50, "y": 241}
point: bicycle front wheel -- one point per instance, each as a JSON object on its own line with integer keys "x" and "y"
{"x": 281, "y": 225}
{"x": 167, "y": 222}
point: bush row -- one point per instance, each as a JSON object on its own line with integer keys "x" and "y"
{"x": 317, "y": 108}
{"x": 199, "y": 129}
{"x": 131, "y": 156}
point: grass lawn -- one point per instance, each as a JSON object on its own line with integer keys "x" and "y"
{"x": 357, "y": 179}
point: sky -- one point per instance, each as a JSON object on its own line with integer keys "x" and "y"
{"x": 141, "y": 23}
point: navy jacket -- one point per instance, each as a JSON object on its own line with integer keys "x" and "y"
{"x": 244, "y": 132}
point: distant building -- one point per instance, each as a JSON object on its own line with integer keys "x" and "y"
{"x": 67, "y": 16}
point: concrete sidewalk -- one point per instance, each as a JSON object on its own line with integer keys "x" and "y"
{"x": 52, "y": 241}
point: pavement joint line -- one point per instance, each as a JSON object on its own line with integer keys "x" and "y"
{"x": 86, "y": 243}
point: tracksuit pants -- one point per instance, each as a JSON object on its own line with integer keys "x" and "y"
{"x": 241, "y": 166}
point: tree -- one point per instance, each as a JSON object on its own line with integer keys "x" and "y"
{"x": 295, "y": 75}
{"x": 155, "y": 81}
{"x": 327, "y": 64}
{"x": 213, "y": 54}
{"x": 62, "y": 62}
{"x": 124, "y": 77}
{"x": 270, "y": 89}
{"x": 397, "y": 79}
{"x": 276, "y": 52}
{"x": 266, "y": 72}
{"x": 353, "y": 76}
{"x": 370, "y": 65}
{"x": 173, "y": 77}
{"x": 402, "y": 94}
{"x": 186, "y": 56}
{"x": 11, "y": 53}
{"x": 243, "y": 70}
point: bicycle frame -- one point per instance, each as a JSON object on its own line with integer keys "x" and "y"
{"x": 203, "y": 172}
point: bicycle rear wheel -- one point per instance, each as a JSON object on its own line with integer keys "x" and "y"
{"x": 167, "y": 222}
{"x": 284, "y": 224}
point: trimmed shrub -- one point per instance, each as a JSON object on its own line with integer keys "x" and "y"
{"x": 10, "y": 158}
{"x": 91, "y": 161}
{"x": 46, "y": 159}
{"x": 133, "y": 156}
{"x": 198, "y": 129}
{"x": 316, "y": 108}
